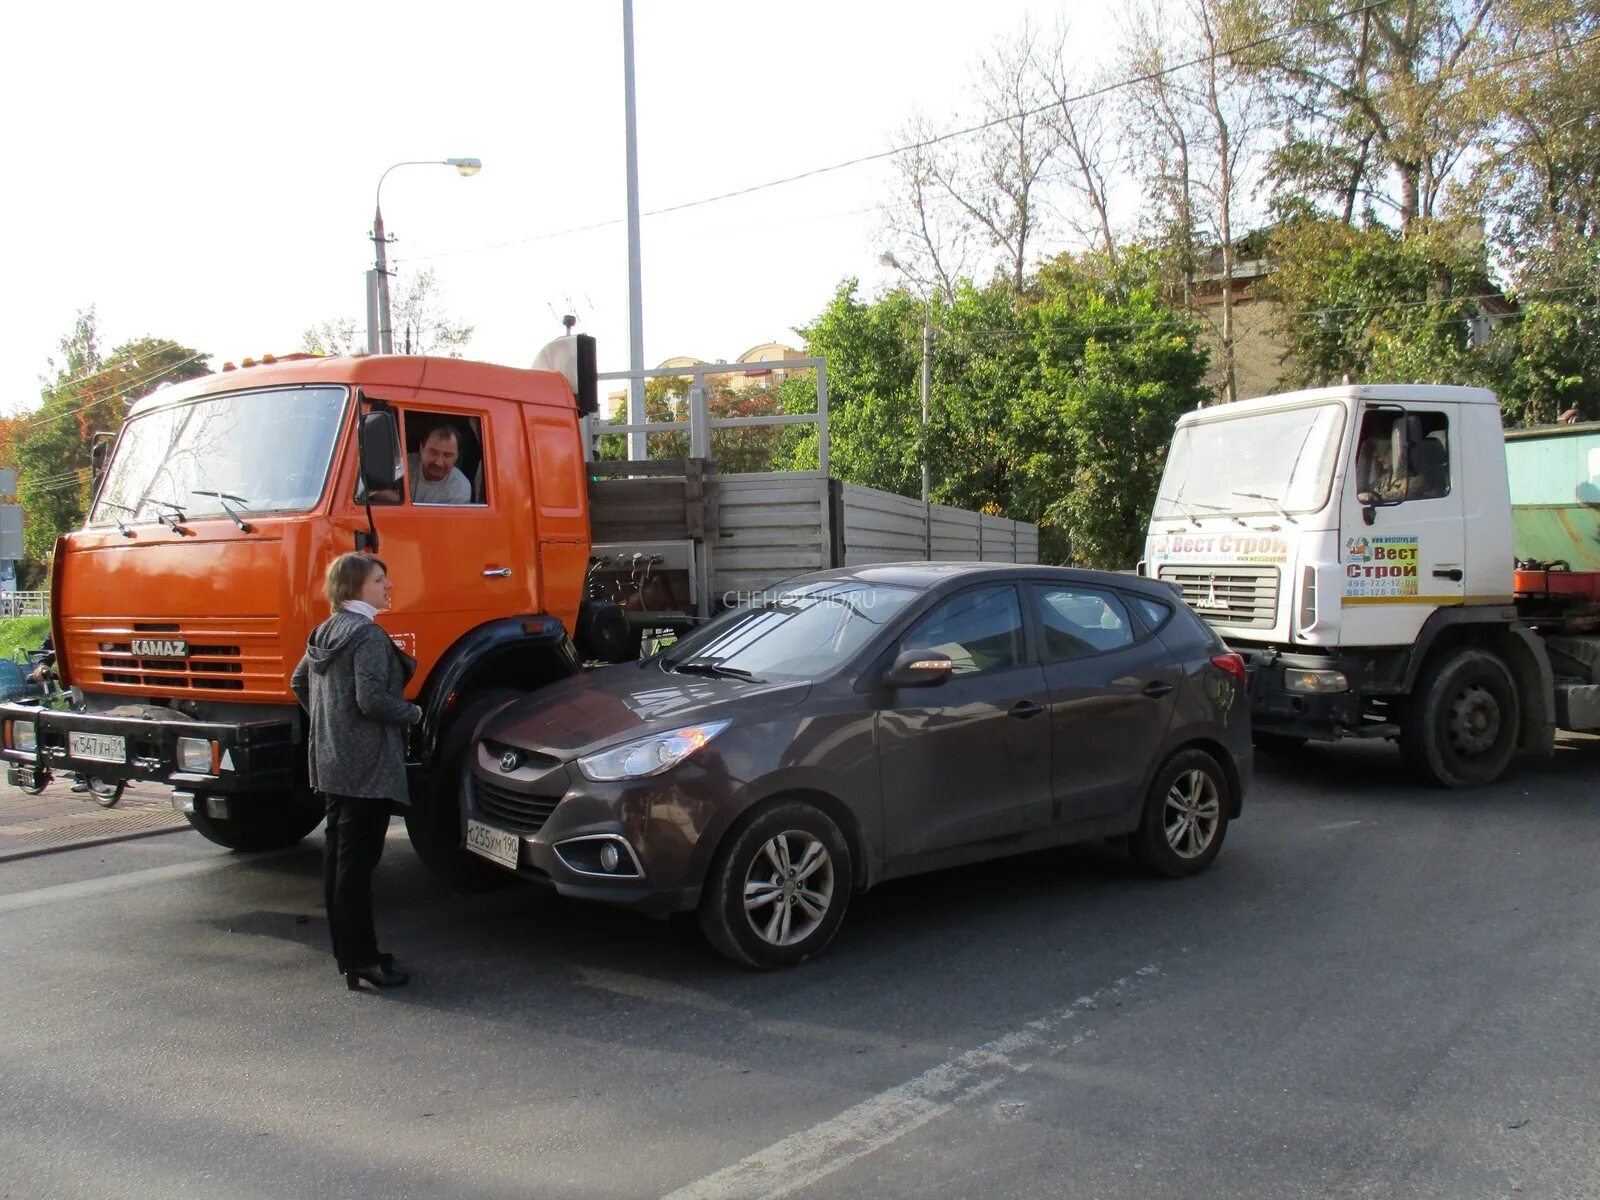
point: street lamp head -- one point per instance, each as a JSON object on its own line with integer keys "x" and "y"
{"x": 467, "y": 166}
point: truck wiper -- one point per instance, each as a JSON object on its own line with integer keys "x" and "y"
{"x": 168, "y": 520}
{"x": 222, "y": 499}
{"x": 704, "y": 666}
{"x": 121, "y": 528}
{"x": 1277, "y": 507}
{"x": 1187, "y": 507}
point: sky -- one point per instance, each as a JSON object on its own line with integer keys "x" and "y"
{"x": 206, "y": 172}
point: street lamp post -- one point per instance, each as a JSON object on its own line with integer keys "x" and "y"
{"x": 889, "y": 260}
{"x": 380, "y": 338}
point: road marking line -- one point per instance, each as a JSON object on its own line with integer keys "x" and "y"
{"x": 812, "y": 1154}
{"x": 84, "y": 888}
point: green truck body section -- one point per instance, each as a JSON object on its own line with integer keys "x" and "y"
{"x": 1554, "y": 474}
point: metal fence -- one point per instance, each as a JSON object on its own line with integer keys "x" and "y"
{"x": 24, "y": 604}
{"x": 700, "y": 422}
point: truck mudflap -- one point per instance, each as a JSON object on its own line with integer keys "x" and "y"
{"x": 1274, "y": 709}
{"x": 142, "y": 743}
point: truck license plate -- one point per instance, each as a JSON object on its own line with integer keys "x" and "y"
{"x": 494, "y": 844}
{"x": 99, "y": 747}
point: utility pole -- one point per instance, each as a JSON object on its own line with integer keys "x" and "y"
{"x": 927, "y": 388}
{"x": 381, "y": 269}
{"x": 638, "y": 443}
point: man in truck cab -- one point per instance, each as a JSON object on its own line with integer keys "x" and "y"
{"x": 435, "y": 479}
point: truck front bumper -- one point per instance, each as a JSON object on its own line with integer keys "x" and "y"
{"x": 250, "y": 756}
{"x": 1326, "y": 716}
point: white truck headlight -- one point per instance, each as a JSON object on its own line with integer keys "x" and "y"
{"x": 24, "y": 737}
{"x": 650, "y": 755}
{"x": 1315, "y": 683}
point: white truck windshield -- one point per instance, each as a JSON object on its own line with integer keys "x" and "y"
{"x": 251, "y": 452}
{"x": 1275, "y": 462}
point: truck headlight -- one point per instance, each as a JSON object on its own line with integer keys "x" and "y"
{"x": 24, "y": 737}
{"x": 1315, "y": 683}
{"x": 648, "y": 756}
{"x": 194, "y": 754}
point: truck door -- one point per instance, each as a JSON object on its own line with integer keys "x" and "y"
{"x": 452, "y": 543}
{"x": 1402, "y": 532}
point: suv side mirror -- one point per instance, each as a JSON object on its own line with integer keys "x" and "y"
{"x": 918, "y": 668}
{"x": 380, "y": 452}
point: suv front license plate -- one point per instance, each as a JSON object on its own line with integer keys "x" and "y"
{"x": 494, "y": 844}
{"x": 98, "y": 747}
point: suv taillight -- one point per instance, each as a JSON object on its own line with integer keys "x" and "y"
{"x": 1232, "y": 663}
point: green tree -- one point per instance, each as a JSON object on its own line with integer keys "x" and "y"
{"x": 1117, "y": 365}
{"x": 89, "y": 394}
{"x": 1381, "y": 101}
{"x": 1055, "y": 405}
{"x": 1372, "y": 303}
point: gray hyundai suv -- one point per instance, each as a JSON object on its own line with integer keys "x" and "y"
{"x": 863, "y": 724}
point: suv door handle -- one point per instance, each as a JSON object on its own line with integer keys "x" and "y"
{"x": 1156, "y": 689}
{"x": 1453, "y": 574}
{"x": 1023, "y": 709}
{"x": 497, "y": 572}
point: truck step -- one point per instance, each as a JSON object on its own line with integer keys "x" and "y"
{"x": 1578, "y": 706}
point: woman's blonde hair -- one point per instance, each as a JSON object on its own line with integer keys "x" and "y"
{"x": 347, "y": 575}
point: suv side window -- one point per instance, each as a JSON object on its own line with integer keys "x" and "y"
{"x": 1382, "y": 477}
{"x": 1154, "y": 613}
{"x": 980, "y": 630}
{"x": 1080, "y": 621}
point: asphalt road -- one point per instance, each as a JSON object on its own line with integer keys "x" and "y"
{"x": 1378, "y": 991}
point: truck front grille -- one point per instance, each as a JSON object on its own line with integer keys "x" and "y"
{"x": 1241, "y": 596}
{"x": 237, "y": 655}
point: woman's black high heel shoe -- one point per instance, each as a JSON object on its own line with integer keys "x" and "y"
{"x": 378, "y": 975}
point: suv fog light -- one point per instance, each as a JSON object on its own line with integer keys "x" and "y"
{"x": 24, "y": 737}
{"x": 601, "y": 855}
{"x": 1315, "y": 683}
{"x": 194, "y": 754}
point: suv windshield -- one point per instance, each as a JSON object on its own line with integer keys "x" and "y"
{"x": 264, "y": 451}
{"x": 791, "y": 635}
{"x": 1252, "y": 463}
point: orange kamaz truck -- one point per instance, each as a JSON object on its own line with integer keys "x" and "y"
{"x": 182, "y": 606}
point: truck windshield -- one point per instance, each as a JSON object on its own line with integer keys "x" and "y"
{"x": 1252, "y": 463}
{"x": 263, "y": 451}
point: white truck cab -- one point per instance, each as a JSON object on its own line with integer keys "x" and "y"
{"x": 1356, "y": 544}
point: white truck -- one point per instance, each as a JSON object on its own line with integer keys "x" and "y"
{"x": 1392, "y": 564}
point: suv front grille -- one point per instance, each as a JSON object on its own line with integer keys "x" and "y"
{"x": 1242, "y": 596}
{"x": 515, "y": 812}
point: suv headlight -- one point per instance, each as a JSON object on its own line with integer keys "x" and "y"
{"x": 650, "y": 755}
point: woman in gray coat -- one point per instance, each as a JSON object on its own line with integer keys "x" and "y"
{"x": 351, "y": 682}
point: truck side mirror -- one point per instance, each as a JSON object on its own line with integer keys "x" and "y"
{"x": 1410, "y": 443}
{"x": 99, "y": 452}
{"x": 379, "y": 448}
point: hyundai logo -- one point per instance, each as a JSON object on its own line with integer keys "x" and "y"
{"x": 510, "y": 761}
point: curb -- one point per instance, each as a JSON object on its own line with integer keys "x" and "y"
{"x": 89, "y": 843}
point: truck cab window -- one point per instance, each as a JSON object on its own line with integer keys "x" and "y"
{"x": 444, "y": 461}
{"x": 1390, "y": 472}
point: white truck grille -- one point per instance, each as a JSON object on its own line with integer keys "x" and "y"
{"x": 1241, "y": 596}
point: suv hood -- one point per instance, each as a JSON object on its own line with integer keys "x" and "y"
{"x": 614, "y": 704}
